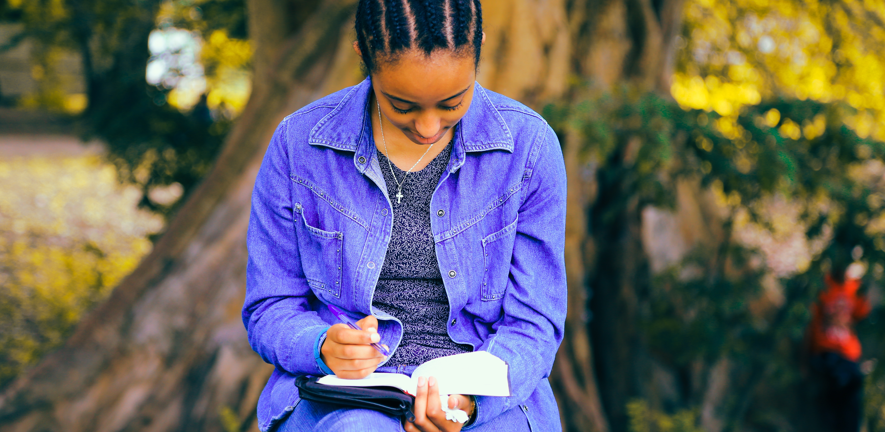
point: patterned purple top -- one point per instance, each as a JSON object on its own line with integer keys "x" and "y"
{"x": 410, "y": 286}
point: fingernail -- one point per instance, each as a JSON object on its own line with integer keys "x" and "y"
{"x": 372, "y": 330}
{"x": 432, "y": 381}
{"x": 375, "y": 337}
{"x": 421, "y": 381}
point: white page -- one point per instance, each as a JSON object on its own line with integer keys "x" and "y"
{"x": 474, "y": 373}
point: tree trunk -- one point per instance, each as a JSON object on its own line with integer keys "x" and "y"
{"x": 168, "y": 351}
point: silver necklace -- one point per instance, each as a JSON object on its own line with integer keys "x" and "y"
{"x": 399, "y": 184}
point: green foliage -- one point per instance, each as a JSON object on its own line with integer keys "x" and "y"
{"x": 736, "y": 52}
{"x": 67, "y": 236}
{"x": 712, "y": 305}
{"x": 229, "y": 420}
{"x": 645, "y": 419}
{"x": 153, "y": 145}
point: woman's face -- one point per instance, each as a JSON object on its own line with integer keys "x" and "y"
{"x": 425, "y": 96}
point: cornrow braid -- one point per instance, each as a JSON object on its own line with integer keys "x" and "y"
{"x": 419, "y": 15}
{"x": 461, "y": 18}
{"x": 434, "y": 35}
{"x": 398, "y": 37}
{"x": 388, "y": 28}
{"x": 477, "y": 30}
{"x": 375, "y": 15}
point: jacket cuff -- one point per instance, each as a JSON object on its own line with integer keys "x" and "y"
{"x": 316, "y": 354}
{"x": 487, "y": 408}
{"x": 301, "y": 353}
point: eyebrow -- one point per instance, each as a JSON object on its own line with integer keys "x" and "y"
{"x": 406, "y": 101}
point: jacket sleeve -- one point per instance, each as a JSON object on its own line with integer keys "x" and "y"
{"x": 281, "y": 325}
{"x": 535, "y": 300}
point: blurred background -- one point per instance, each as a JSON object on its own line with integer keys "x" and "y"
{"x": 721, "y": 154}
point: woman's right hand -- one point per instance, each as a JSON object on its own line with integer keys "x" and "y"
{"x": 349, "y": 352}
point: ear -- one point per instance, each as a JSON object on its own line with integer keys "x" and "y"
{"x": 356, "y": 46}
{"x": 483, "y": 38}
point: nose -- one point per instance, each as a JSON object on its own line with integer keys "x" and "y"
{"x": 427, "y": 125}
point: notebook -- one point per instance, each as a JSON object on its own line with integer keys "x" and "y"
{"x": 475, "y": 373}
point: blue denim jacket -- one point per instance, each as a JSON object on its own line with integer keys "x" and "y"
{"x": 321, "y": 221}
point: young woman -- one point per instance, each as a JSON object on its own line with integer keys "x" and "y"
{"x": 431, "y": 207}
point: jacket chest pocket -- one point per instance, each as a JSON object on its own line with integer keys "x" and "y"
{"x": 320, "y": 252}
{"x": 497, "y": 249}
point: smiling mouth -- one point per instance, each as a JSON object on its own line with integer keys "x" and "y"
{"x": 430, "y": 140}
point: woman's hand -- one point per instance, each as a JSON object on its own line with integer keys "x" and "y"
{"x": 349, "y": 352}
{"x": 429, "y": 416}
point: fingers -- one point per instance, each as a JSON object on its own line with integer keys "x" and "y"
{"x": 349, "y": 353}
{"x": 367, "y": 323}
{"x": 434, "y": 410}
{"x": 429, "y": 415}
{"x": 345, "y": 335}
{"x": 419, "y": 408}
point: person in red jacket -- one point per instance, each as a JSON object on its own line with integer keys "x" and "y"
{"x": 835, "y": 348}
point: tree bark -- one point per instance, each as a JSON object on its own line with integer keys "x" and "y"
{"x": 168, "y": 351}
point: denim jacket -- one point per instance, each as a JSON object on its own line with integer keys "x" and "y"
{"x": 321, "y": 222}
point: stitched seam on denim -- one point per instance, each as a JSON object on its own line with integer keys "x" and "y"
{"x": 307, "y": 110}
{"x": 485, "y": 293}
{"x": 470, "y": 148}
{"x": 313, "y": 283}
{"x": 495, "y": 236}
{"x": 325, "y": 197}
{"x": 529, "y": 420}
{"x": 328, "y": 235}
{"x": 534, "y": 155}
{"x": 295, "y": 337}
{"x": 472, "y": 221}
{"x": 520, "y": 110}
{"x": 317, "y": 232}
{"x": 498, "y": 117}
{"x": 312, "y": 136}
{"x": 276, "y": 419}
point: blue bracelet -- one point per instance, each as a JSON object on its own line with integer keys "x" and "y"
{"x": 316, "y": 355}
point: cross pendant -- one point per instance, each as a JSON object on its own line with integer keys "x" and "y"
{"x": 399, "y": 196}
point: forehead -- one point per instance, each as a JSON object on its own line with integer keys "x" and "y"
{"x": 418, "y": 77}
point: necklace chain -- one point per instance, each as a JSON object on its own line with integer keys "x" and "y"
{"x": 399, "y": 184}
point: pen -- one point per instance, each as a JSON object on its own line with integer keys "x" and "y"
{"x": 343, "y": 318}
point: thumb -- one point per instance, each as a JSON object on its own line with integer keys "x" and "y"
{"x": 454, "y": 402}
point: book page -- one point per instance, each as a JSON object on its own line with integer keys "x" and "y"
{"x": 399, "y": 381}
{"x": 474, "y": 373}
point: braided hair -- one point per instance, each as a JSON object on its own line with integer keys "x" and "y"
{"x": 387, "y": 28}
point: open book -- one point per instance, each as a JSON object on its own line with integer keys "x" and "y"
{"x": 475, "y": 373}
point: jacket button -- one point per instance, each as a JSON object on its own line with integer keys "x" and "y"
{"x": 298, "y": 206}
{"x": 441, "y": 213}
{"x": 370, "y": 265}
{"x": 362, "y": 160}
{"x": 452, "y": 273}
{"x": 384, "y": 212}
{"x": 454, "y": 321}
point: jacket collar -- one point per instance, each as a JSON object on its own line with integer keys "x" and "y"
{"x": 346, "y": 126}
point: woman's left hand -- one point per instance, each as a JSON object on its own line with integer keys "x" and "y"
{"x": 429, "y": 416}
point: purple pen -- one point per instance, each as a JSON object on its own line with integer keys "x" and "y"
{"x": 346, "y": 320}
